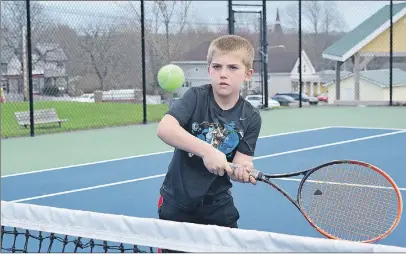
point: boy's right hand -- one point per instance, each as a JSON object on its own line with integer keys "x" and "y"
{"x": 216, "y": 162}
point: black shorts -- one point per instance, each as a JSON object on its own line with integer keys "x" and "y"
{"x": 213, "y": 210}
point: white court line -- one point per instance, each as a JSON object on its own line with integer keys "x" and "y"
{"x": 145, "y": 155}
{"x": 331, "y": 144}
{"x": 337, "y": 183}
{"x": 88, "y": 188}
{"x": 368, "y": 128}
{"x": 161, "y": 175}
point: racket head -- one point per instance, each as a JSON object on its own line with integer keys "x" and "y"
{"x": 350, "y": 200}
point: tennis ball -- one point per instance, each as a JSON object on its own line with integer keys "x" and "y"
{"x": 171, "y": 77}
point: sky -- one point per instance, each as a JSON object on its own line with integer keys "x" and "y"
{"x": 211, "y": 12}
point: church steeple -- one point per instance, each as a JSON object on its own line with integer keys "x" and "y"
{"x": 278, "y": 20}
{"x": 277, "y": 37}
{"x": 278, "y": 27}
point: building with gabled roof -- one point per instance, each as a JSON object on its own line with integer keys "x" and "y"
{"x": 368, "y": 40}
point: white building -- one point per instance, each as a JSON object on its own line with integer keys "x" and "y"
{"x": 374, "y": 86}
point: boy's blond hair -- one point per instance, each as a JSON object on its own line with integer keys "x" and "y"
{"x": 232, "y": 43}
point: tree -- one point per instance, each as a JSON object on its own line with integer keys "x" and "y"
{"x": 98, "y": 43}
{"x": 14, "y": 28}
{"x": 323, "y": 23}
{"x": 162, "y": 43}
{"x": 312, "y": 12}
{"x": 247, "y": 23}
{"x": 319, "y": 18}
{"x": 333, "y": 19}
{"x": 168, "y": 12}
{"x": 292, "y": 16}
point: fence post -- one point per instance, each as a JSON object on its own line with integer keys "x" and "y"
{"x": 391, "y": 54}
{"x": 300, "y": 53}
{"x": 144, "y": 86}
{"x": 265, "y": 50}
{"x": 29, "y": 65}
{"x": 230, "y": 17}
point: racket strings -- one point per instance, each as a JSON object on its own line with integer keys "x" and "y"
{"x": 356, "y": 203}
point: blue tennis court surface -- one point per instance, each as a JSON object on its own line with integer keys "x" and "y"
{"x": 130, "y": 186}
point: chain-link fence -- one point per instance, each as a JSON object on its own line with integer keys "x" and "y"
{"x": 84, "y": 64}
{"x": 364, "y": 45}
{"x": 352, "y": 52}
{"x": 86, "y": 61}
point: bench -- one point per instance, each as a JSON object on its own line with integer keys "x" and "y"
{"x": 40, "y": 116}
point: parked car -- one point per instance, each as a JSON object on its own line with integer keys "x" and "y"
{"x": 310, "y": 99}
{"x": 256, "y": 101}
{"x": 283, "y": 100}
{"x": 323, "y": 97}
{"x": 313, "y": 100}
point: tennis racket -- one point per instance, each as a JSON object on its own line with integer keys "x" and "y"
{"x": 344, "y": 199}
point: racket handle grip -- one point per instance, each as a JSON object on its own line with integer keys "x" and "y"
{"x": 254, "y": 173}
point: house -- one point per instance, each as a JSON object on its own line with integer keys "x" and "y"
{"x": 48, "y": 69}
{"x": 374, "y": 86}
{"x": 283, "y": 73}
{"x": 5, "y": 56}
{"x": 283, "y": 63}
{"x": 328, "y": 76}
{"x": 363, "y": 44}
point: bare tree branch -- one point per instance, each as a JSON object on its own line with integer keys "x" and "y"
{"x": 163, "y": 43}
{"x": 98, "y": 44}
{"x": 312, "y": 11}
{"x": 333, "y": 19}
{"x": 292, "y": 16}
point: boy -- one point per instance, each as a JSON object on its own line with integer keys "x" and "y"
{"x": 209, "y": 127}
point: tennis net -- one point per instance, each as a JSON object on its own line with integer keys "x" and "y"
{"x": 34, "y": 228}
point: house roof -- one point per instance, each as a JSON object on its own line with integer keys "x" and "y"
{"x": 281, "y": 61}
{"x": 360, "y": 36}
{"x": 198, "y": 53}
{"x": 51, "y": 51}
{"x": 380, "y": 77}
{"x": 330, "y": 75}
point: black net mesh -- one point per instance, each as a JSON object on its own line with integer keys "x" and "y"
{"x": 23, "y": 240}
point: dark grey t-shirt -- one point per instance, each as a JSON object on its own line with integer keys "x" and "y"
{"x": 236, "y": 129}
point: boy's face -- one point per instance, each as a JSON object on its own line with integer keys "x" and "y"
{"x": 228, "y": 72}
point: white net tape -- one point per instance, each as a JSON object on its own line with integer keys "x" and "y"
{"x": 166, "y": 234}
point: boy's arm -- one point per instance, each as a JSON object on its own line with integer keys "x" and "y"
{"x": 246, "y": 149}
{"x": 171, "y": 130}
{"x": 172, "y": 133}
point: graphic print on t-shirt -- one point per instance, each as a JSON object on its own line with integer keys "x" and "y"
{"x": 224, "y": 137}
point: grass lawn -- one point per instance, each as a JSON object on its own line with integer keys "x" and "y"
{"x": 80, "y": 116}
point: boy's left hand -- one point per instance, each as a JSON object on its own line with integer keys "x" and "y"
{"x": 242, "y": 173}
